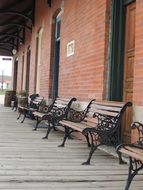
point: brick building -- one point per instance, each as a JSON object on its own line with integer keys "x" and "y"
{"x": 85, "y": 49}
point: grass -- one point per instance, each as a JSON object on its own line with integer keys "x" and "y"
{"x": 2, "y": 92}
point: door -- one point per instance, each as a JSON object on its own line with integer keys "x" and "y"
{"x": 55, "y": 81}
{"x": 15, "y": 75}
{"x": 28, "y": 69}
{"x": 129, "y": 54}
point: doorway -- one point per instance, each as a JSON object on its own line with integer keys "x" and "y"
{"x": 28, "y": 69}
{"x": 122, "y": 59}
{"x": 55, "y": 81}
{"x": 129, "y": 53}
{"x": 15, "y": 74}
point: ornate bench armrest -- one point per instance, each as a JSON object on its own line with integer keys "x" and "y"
{"x": 43, "y": 108}
{"x": 139, "y": 127}
{"x": 58, "y": 113}
{"x": 106, "y": 123}
{"x": 76, "y": 116}
{"x": 101, "y": 117}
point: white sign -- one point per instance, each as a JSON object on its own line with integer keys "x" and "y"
{"x": 70, "y": 48}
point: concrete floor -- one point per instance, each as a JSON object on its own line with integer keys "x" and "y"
{"x": 2, "y": 99}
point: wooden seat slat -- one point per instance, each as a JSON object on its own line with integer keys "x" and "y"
{"x": 132, "y": 154}
{"x": 76, "y": 126}
{"x": 90, "y": 120}
{"x": 81, "y": 125}
{"x": 39, "y": 114}
{"x": 135, "y": 149}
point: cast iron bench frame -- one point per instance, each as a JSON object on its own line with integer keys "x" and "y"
{"x": 25, "y": 109}
{"x": 100, "y": 125}
{"x": 56, "y": 112}
{"x": 134, "y": 152}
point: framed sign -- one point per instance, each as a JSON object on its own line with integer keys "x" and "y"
{"x": 70, "y": 48}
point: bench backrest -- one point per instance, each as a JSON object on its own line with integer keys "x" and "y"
{"x": 36, "y": 102}
{"x": 61, "y": 106}
{"x": 78, "y": 116}
{"x": 106, "y": 111}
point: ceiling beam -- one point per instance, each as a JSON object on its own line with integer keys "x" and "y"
{"x": 9, "y": 44}
{"x": 12, "y": 5}
{"x": 17, "y": 24}
{"x": 5, "y": 49}
{"x": 16, "y": 14}
{"x": 2, "y": 34}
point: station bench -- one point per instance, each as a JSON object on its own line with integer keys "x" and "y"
{"x": 27, "y": 108}
{"x": 134, "y": 152}
{"x": 55, "y": 112}
{"x": 100, "y": 125}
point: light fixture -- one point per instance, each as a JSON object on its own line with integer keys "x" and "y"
{"x": 14, "y": 51}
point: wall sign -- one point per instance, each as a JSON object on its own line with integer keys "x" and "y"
{"x": 70, "y": 48}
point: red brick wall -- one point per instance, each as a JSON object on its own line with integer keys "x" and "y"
{"x": 82, "y": 74}
{"x": 43, "y": 19}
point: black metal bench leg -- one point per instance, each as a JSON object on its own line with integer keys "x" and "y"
{"x": 24, "y": 116}
{"x": 19, "y": 116}
{"x": 93, "y": 148}
{"x": 120, "y": 158}
{"x": 87, "y": 139}
{"x": 55, "y": 129}
{"x": 132, "y": 172}
{"x": 66, "y": 135}
{"x": 37, "y": 123}
{"x": 48, "y": 131}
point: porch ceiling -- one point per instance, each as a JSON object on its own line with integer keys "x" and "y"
{"x": 15, "y": 17}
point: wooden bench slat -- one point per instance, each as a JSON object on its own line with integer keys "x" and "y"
{"x": 110, "y": 103}
{"x": 76, "y": 126}
{"x": 60, "y": 105}
{"x": 106, "y": 108}
{"x": 38, "y": 114}
{"x": 62, "y": 100}
{"x": 132, "y": 154}
{"x": 91, "y": 120}
{"x": 134, "y": 149}
{"x": 108, "y": 113}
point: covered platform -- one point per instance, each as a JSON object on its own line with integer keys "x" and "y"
{"x": 29, "y": 162}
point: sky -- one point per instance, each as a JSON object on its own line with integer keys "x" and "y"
{"x": 6, "y": 65}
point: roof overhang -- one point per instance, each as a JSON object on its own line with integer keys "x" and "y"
{"x": 15, "y": 17}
